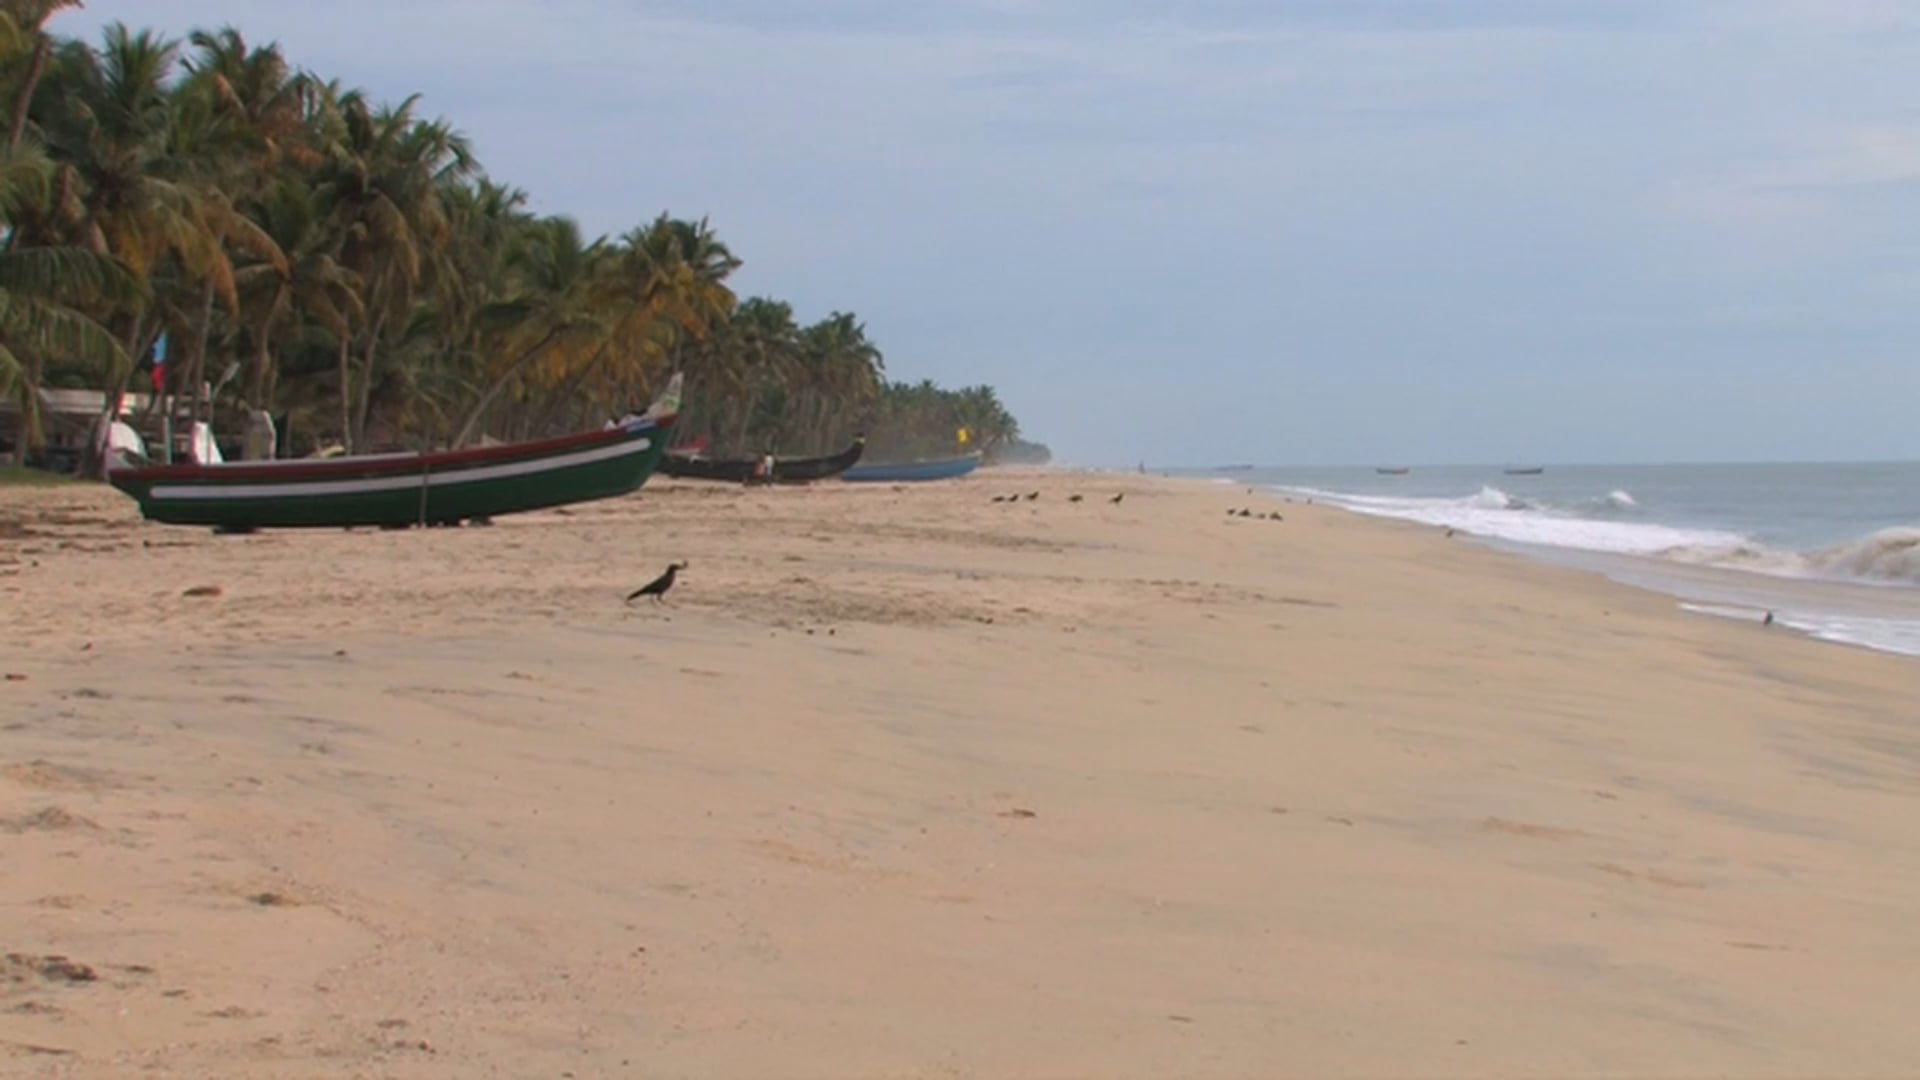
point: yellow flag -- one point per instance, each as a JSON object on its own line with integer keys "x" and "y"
{"x": 963, "y": 436}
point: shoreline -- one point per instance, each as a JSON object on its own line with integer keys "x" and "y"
{"x": 901, "y": 781}
{"x": 1878, "y": 615}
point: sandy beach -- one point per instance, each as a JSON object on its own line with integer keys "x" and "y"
{"x": 904, "y": 782}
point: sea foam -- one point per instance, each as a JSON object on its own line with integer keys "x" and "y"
{"x": 1614, "y": 523}
{"x": 1611, "y": 523}
{"x": 1491, "y": 512}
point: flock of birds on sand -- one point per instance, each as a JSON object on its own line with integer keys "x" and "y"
{"x": 657, "y": 588}
{"x": 1033, "y": 495}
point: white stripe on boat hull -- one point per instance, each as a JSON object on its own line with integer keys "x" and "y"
{"x": 372, "y": 485}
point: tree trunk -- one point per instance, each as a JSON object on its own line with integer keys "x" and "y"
{"x": 198, "y": 365}
{"x": 346, "y": 393}
{"x": 23, "y": 101}
{"x": 365, "y": 404}
{"x": 257, "y": 397}
{"x": 96, "y": 458}
{"x": 558, "y": 401}
{"x": 492, "y": 394}
{"x": 32, "y": 434}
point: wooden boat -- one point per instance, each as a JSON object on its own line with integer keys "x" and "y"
{"x": 1392, "y": 472}
{"x": 912, "y": 471}
{"x": 397, "y": 490}
{"x": 741, "y": 471}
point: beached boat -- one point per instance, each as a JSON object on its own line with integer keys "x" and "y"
{"x": 741, "y": 471}
{"x": 398, "y": 490}
{"x": 911, "y": 471}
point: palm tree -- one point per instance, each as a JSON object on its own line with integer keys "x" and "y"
{"x": 311, "y": 284}
{"x": 256, "y": 89}
{"x": 551, "y": 311}
{"x": 139, "y": 193}
{"x": 846, "y": 374}
{"x": 369, "y": 276}
{"x": 660, "y": 288}
{"x": 23, "y": 32}
{"x": 383, "y": 176}
{"x": 41, "y": 289}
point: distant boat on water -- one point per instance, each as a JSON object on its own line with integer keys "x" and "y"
{"x": 1402, "y": 471}
{"x": 1534, "y": 470}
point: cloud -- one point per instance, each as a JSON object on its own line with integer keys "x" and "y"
{"x": 1027, "y": 17}
{"x": 1353, "y": 215}
{"x": 1859, "y": 157}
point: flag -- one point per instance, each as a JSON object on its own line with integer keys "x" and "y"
{"x": 160, "y": 364}
{"x": 963, "y": 436}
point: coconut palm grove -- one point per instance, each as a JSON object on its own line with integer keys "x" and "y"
{"x": 190, "y": 213}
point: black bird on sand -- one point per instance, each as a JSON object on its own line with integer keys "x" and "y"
{"x": 658, "y": 587}
{"x": 1246, "y": 513}
{"x": 1073, "y": 498}
{"x": 999, "y": 498}
{"x": 1032, "y": 495}
{"x": 1116, "y": 499}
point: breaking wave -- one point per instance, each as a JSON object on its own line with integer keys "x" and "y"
{"x": 1888, "y": 555}
{"x": 1612, "y": 522}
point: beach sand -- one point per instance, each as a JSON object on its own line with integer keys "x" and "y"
{"x": 903, "y": 782}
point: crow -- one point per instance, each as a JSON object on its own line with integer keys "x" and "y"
{"x": 999, "y": 498}
{"x": 1073, "y": 498}
{"x": 658, "y": 587}
{"x": 1032, "y": 496}
{"x": 1116, "y": 499}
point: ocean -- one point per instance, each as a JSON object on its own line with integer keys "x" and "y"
{"x": 1832, "y": 550}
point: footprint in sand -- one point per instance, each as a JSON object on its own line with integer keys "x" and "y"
{"x": 21, "y": 967}
{"x": 1537, "y": 832}
{"x": 1651, "y": 877}
{"x": 47, "y": 819}
{"x": 47, "y": 776}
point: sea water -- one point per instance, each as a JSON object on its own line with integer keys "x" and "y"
{"x": 1832, "y": 550}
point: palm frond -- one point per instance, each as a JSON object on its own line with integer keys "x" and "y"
{"x": 52, "y": 330}
{"x": 69, "y": 273}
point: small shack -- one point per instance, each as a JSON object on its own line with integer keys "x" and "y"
{"x": 66, "y": 418}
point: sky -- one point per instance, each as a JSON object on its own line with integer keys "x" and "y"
{"x": 1218, "y": 231}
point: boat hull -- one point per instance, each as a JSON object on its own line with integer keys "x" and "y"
{"x": 912, "y": 471}
{"x": 399, "y": 490}
{"x": 790, "y": 471}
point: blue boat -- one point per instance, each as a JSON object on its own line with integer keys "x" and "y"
{"x": 909, "y": 471}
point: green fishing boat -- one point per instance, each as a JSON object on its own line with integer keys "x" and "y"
{"x": 398, "y": 490}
